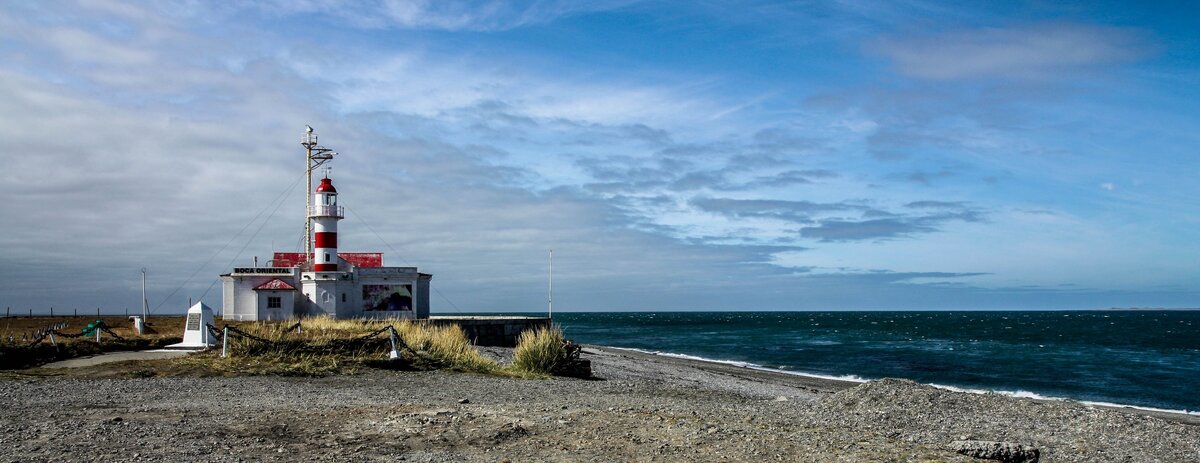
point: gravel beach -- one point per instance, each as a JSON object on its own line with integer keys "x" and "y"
{"x": 642, "y": 408}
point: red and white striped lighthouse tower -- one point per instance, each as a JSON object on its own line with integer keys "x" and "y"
{"x": 324, "y": 215}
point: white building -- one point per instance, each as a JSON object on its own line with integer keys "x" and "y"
{"x": 325, "y": 282}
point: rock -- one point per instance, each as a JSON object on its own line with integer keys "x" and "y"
{"x": 578, "y": 368}
{"x": 510, "y": 431}
{"x": 781, "y": 399}
{"x": 464, "y": 401}
{"x": 1006, "y": 452}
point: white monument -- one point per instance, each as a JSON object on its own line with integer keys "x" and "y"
{"x": 195, "y": 329}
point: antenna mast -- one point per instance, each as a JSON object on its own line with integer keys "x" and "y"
{"x": 314, "y": 156}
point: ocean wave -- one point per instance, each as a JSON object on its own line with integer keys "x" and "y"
{"x": 858, "y": 379}
{"x": 753, "y": 366}
{"x": 1033, "y": 395}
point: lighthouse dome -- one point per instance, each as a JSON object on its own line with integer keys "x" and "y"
{"x": 326, "y": 186}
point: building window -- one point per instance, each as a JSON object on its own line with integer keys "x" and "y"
{"x": 327, "y": 257}
{"x": 274, "y": 302}
{"x": 328, "y": 297}
{"x": 343, "y": 297}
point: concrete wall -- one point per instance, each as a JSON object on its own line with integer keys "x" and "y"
{"x": 421, "y": 296}
{"x": 239, "y": 300}
{"x": 287, "y": 299}
{"x": 492, "y": 331}
{"x": 396, "y": 276}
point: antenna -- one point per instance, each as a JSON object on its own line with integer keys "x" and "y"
{"x": 314, "y": 156}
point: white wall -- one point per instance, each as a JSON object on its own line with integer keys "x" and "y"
{"x": 239, "y": 300}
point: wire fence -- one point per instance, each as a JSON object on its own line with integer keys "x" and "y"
{"x": 227, "y": 332}
{"x": 53, "y": 312}
{"x": 294, "y": 340}
{"x": 55, "y": 330}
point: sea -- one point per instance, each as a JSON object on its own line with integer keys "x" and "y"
{"x": 1141, "y": 358}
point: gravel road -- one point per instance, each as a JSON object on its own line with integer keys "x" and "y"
{"x": 644, "y": 408}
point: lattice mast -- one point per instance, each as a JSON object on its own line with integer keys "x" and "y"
{"x": 314, "y": 156}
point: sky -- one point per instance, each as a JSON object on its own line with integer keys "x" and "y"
{"x": 694, "y": 155}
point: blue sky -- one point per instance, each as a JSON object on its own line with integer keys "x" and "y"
{"x": 675, "y": 155}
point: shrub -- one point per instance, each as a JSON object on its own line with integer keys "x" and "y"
{"x": 542, "y": 351}
{"x": 449, "y": 344}
{"x": 329, "y": 346}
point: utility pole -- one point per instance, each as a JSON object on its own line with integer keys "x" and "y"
{"x": 145, "y": 303}
{"x": 550, "y": 291}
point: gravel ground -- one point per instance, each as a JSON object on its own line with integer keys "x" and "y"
{"x": 645, "y": 408}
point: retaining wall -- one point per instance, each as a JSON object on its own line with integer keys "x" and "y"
{"x": 492, "y": 331}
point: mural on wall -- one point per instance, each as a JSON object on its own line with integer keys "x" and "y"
{"x": 387, "y": 298}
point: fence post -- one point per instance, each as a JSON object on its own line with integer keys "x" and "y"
{"x": 394, "y": 354}
{"x": 51, "y": 311}
{"x": 97, "y": 330}
{"x": 225, "y": 342}
{"x": 97, "y": 312}
{"x": 52, "y": 342}
{"x": 30, "y": 313}
{"x": 77, "y": 312}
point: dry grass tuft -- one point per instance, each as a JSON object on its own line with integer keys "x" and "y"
{"x": 449, "y": 344}
{"x": 540, "y": 352}
{"x": 327, "y": 346}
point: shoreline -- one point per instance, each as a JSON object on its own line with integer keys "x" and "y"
{"x": 639, "y": 407}
{"x": 836, "y": 383}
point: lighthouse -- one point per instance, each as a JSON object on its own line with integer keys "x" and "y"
{"x": 325, "y": 214}
{"x": 319, "y": 281}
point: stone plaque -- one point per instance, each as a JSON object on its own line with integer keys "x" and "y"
{"x": 195, "y": 328}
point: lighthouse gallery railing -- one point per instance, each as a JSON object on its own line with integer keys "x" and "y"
{"x": 326, "y": 211}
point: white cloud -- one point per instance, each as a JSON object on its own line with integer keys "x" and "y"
{"x": 1039, "y": 51}
{"x": 468, "y": 164}
{"x": 162, "y": 169}
{"x": 481, "y": 15}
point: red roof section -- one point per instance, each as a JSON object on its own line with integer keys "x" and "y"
{"x": 326, "y": 186}
{"x": 363, "y": 259}
{"x": 357, "y": 259}
{"x": 275, "y": 284}
{"x": 288, "y": 259}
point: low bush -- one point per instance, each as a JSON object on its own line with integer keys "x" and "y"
{"x": 449, "y": 344}
{"x": 543, "y": 351}
{"x": 326, "y": 346}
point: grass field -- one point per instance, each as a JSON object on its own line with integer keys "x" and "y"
{"x": 17, "y": 353}
{"x": 321, "y": 347}
{"x": 16, "y": 326}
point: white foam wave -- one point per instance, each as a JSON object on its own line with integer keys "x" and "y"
{"x": 1034, "y": 395}
{"x": 753, "y": 366}
{"x": 859, "y": 379}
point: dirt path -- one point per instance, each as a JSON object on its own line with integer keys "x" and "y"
{"x": 117, "y": 357}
